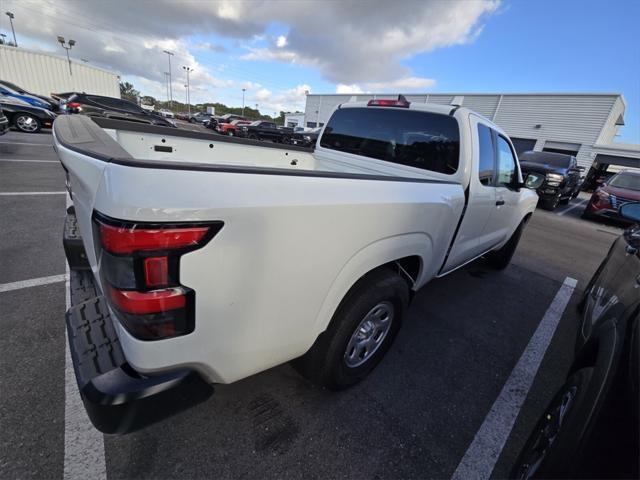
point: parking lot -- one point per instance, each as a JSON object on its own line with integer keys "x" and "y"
{"x": 433, "y": 397}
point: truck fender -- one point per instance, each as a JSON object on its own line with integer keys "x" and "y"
{"x": 370, "y": 257}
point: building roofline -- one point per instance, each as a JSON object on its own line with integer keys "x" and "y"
{"x": 59, "y": 57}
{"x": 565, "y": 94}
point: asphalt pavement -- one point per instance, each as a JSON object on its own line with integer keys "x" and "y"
{"x": 414, "y": 417}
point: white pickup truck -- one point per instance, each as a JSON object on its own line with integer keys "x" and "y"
{"x": 199, "y": 259}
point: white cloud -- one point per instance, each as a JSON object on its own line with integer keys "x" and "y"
{"x": 353, "y": 88}
{"x": 351, "y": 46}
{"x": 292, "y": 99}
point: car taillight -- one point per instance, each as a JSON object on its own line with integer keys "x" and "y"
{"x": 74, "y": 106}
{"x": 140, "y": 270}
{"x": 400, "y": 102}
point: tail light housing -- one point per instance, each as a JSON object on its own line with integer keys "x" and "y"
{"x": 401, "y": 102}
{"x": 139, "y": 266}
{"x": 74, "y": 107}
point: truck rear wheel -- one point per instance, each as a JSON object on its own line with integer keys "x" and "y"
{"x": 360, "y": 333}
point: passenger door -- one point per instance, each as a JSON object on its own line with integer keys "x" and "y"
{"x": 474, "y": 238}
{"x": 504, "y": 219}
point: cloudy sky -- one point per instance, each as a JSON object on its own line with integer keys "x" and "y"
{"x": 277, "y": 50}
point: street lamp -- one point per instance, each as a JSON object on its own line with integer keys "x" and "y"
{"x": 188, "y": 69}
{"x": 11, "y": 17}
{"x": 67, "y": 48}
{"x": 167, "y": 76}
{"x": 170, "y": 54}
{"x": 243, "y": 90}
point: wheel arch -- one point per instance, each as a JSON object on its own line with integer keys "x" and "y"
{"x": 407, "y": 254}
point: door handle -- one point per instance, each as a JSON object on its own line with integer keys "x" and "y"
{"x": 499, "y": 202}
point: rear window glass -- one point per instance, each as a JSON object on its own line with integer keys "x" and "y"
{"x": 425, "y": 140}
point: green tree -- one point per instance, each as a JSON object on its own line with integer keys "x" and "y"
{"x": 128, "y": 92}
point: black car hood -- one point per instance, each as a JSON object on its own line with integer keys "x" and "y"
{"x": 529, "y": 167}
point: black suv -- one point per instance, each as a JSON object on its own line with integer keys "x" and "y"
{"x": 562, "y": 176}
{"x": 261, "y": 130}
{"x": 97, "y": 105}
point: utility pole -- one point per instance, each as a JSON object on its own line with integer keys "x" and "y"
{"x": 11, "y": 17}
{"x": 243, "y": 90}
{"x": 188, "y": 69}
{"x": 170, "y": 54}
{"x": 166, "y": 79}
{"x": 67, "y": 48}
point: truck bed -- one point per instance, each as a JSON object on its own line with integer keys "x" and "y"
{"x": 139, "y": 144}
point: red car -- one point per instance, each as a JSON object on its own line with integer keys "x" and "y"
{"x": 623, "y": 187}
{"x": 230, "y": 128}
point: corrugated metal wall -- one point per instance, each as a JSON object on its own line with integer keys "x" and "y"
{"x": 568, "y": 118}
{"x": 43, "y": 73}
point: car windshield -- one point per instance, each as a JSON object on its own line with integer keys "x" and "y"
{"x": 626, "y": 180}
{"x": 14, "y": 87}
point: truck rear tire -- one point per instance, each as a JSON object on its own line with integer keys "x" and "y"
{"x": 500, "y": 259}
{"x": 360, "y": 332}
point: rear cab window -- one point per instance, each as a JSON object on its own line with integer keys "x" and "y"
{"x": 414, "y": 138}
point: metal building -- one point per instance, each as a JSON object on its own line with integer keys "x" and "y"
{"x": 44, "y": 73}
{"x": 580, "y": 124}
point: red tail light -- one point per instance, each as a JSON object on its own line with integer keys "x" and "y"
{"x": 400, "y": 102}
{"x": 74, "y": 105}
{"x": 140, "y": 269}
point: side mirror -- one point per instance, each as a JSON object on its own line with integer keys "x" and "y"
{"x": 630, "y": 211}
{"x": 534, "y": 181}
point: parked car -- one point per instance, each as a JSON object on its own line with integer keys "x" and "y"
{"x": 26, "y": 117}
{"x": 349, "y": 230}
{"x": 97, "y": 105}
{"x": 621, "y": 188}
{"x": 230, "y": 129}
{"x": 230, "y": 117}
{"x": 182, "y": 116}
{"x": 263, "y": 130}
{"x": 590, "y": 428}
{"x": 54, "y": 104}
{"x": 306, "y": 139}
{"x": 25, "y": 97}
{"x": 562, "y": 176}
{"x": 4, "y": 123}
{"x": 165, "y": 113}
{"x": 200, "y": 117}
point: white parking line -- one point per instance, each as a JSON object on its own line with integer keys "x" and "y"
{"x": 483, "y": 453}
{"x": 7, "y": 194}
{"x": 34, "y": 282}
{"x": 83, "y": 444}
{"x": 27, "y": 161}
{"x": 580, "y": 204}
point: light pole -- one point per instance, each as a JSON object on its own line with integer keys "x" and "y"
{"x": 67, "y": 48}
{"x": 170, "y": 54}
{"x": 186, "y": 94}
{"x": 167, "y": 76}
{"x": 11, "y": 17}
{"x": 243, "y": 90}
{"x": 188, "y": 69}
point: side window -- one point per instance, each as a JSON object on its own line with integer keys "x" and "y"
{"x": 506, "y": 162}
{"x": 485, "y": 144}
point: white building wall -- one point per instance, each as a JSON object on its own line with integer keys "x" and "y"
{"x": 43, "y": 73}
{"x": 580, "y": 119}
